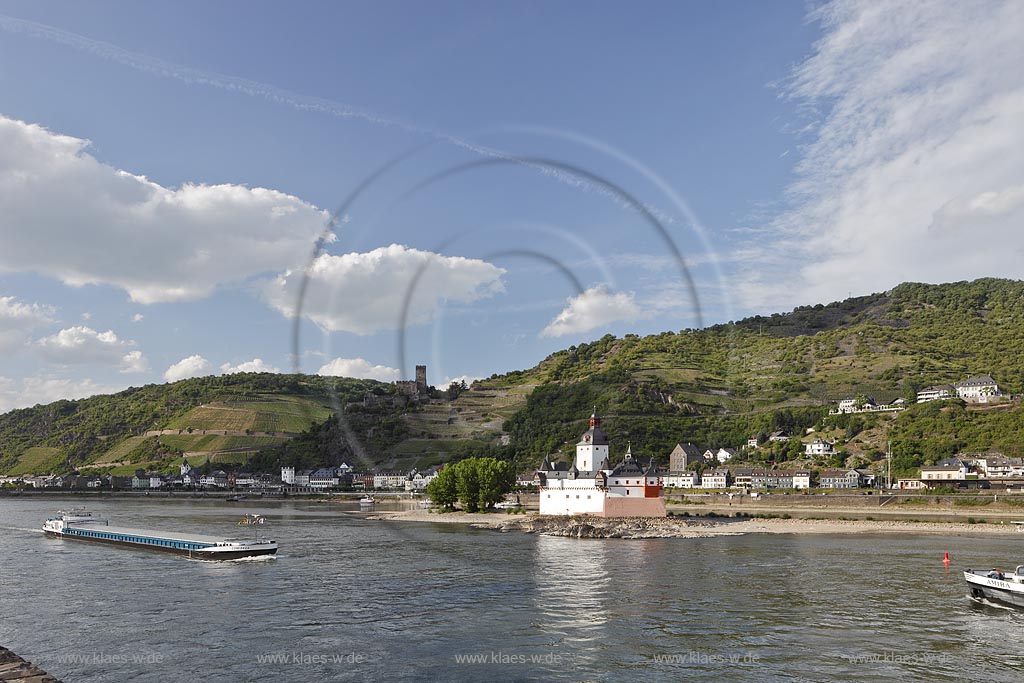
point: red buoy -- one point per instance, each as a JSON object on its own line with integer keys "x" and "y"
{"x": 945, "y": 558}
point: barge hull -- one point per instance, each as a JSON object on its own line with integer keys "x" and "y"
{"x": 184, "y": 552}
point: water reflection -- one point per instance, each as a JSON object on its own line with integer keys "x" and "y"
{"x": 573, "y": 594}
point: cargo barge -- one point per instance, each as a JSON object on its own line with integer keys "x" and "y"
{"x": 83, "y": 526}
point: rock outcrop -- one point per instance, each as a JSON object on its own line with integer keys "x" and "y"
{"x": 583, "y": 526}
{"x": 14, "y": 668}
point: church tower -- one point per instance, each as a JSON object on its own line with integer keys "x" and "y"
{"x": 592, "y": 449}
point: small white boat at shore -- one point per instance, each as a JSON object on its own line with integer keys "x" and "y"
{"x": 367, "y": 500}
{"x": 996, "y": 585}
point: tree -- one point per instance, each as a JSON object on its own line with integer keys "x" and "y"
{"x": 455, "y": 389}
{"x": 475, "y": 483}
{"x": 442, "y": 490}
{"x": 467, "y": 484}
{"x": 495, "y": 479}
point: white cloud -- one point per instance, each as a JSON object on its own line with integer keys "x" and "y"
{"x": 360, "y": 369}
{"x": 594, "y": 308}
{"x": 134, "y": 362}
{"x": 468, "y": 379}
{"x": 137, "y": 317}
{"x": 32, "y": 391}
{"x": 66, "y": 215}
{"x": 978, "y": 211}
{"x": 364, "y": 292}
{"x": 254, "y": 365}
{"x": 193, "y": 366}
{"x": 18, "y": 319}
{"x": 81, "y": 344}
{"x": 913, "y": 170}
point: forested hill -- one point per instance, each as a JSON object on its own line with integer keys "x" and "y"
{"x": 257, "y": 408}
{"x": 719, "y": 385}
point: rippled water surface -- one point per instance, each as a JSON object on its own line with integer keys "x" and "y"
{"x": 352, "y": 599}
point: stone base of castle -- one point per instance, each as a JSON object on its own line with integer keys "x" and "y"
{"x": 634, "y": 507}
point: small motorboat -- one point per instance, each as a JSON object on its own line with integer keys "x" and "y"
{"x": 996, "y": 585}
{"x": 367, "y": 500}
{"x": 235, "y": 499}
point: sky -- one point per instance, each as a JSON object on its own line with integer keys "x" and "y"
{"x": 355, "y": 188}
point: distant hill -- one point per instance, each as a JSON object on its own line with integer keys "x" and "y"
{"x": 253, "y": 411}
{"x": 714, "y": 387}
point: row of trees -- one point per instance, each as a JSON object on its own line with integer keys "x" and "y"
{"x": 475, "y": 483}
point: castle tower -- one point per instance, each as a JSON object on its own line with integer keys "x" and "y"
{"x": 592, "y": 449}
{"x": 421, "y": 378}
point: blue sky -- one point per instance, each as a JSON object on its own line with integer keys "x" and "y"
{"x": 169, "y": 166}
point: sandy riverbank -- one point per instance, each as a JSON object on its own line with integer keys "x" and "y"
{"x": 683, "y": 527}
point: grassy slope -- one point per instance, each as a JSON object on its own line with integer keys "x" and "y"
{"x": 106, "y": 429}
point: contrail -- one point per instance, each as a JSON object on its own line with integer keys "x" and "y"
{"x": 270, "y": 93}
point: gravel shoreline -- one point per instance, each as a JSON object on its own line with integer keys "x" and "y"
{"x": 685, "y": 527}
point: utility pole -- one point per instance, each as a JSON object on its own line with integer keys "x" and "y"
{"x": 889, "y": 466}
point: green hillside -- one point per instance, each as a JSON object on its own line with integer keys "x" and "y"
{"x": 258, "y": 411}
{"x": 714, "y": 387}
{"x": 717, "y": 386}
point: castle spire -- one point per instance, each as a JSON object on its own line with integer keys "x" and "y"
{"x": 595, "y": 421}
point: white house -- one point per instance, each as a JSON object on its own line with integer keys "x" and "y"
{"x": 752, "y": 442}
{"x": 801, "y": 479}
{"x": 216, "y": 479}
{"x": 909, "y": 484}
{"x": 715, "y": 479}
{"x": 935, "y": 393}
{"x": 415, "y": 481}
{"x": 848, "y": 405}
{"x": 288, "y": 476}
{"x": 819, "y": 447}
{"x": 389, "y": 480}
{"x": 323, "y": 478}
{"x": 724, "y": 455}
{"x": 944, "y": 473}
{"x": 998, "y": 466}
{"x": 977, "y": 389}
{"x": 682, "y": 480}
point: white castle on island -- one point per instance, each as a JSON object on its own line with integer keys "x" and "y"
{"x": 592, "y": 487}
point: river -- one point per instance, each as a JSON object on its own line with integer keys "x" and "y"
{"x": 348, "y": 599}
